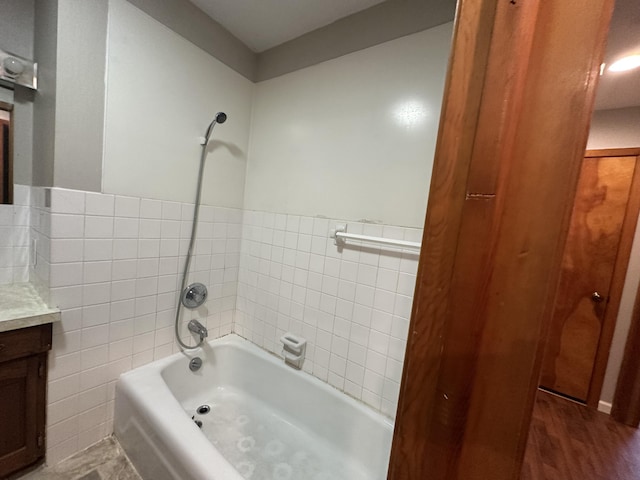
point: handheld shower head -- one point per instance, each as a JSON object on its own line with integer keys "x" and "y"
{"x": 220, "y": 117}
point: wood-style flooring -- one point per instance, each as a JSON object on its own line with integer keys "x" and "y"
{"x": 568, "y": 441}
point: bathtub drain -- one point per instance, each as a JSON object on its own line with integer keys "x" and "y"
{"x": 203, "y": 409}
{"x": 197, "y": 422}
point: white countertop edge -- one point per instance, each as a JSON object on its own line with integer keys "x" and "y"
{"x": 30, "y": 321}
{"x": 21, "y": 306}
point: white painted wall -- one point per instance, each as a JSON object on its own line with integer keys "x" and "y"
{"x": 16, "y": 27}
{"x": 623, "y": 322}
{"x": 79, "y": 111}
{"x": 162, "y": 92}
{"x": 6, "y": 95}
{"x": 352, "y": 137}
{"x": 45, "y": 50}
{"x": 619, "y": 128}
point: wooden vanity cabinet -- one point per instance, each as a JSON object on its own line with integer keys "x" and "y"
{"x": 23, "y": 384}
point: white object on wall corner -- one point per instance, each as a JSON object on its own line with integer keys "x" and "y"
{"x": 604, "y": 407}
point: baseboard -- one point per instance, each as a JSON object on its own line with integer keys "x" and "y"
{"x": 604, "y": 407}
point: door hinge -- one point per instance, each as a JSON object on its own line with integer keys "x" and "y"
{"x": 41, "y": 370}
{"x": 40, "y": 440}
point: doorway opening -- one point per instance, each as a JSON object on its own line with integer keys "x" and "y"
{"x": 594, "y": 266}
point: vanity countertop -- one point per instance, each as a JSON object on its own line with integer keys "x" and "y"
{"x": 21, "y": 307}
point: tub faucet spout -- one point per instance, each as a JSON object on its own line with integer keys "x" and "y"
{"x": 196, "y": 327}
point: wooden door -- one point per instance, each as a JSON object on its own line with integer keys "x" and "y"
{"x": 4, "y": 157}
{"x": 584, "y": 291}
{"x": 6, "y": 154}
{"x": 514, "y": 123}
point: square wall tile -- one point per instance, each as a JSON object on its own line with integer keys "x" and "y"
{"x": 127, "y": 206}
{"x": 99, "y": 204}
{"x": 67, "y": 201}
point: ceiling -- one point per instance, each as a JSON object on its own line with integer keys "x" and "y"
{"x": 263, "y": 24}
{"x": 621, "y": 89}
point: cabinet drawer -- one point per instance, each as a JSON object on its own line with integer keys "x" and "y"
{"x": 23, "y": 342}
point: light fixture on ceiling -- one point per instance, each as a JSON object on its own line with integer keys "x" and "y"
{"x": 625, "y": 63}
{"x": 13, "y": 67}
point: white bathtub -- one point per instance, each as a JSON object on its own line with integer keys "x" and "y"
{"x": 267, "y": 420}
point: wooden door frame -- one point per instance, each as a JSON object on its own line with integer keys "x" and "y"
{"x": 619, "y": 272}
{"x": 513, "y": 131}
{"x": 626, "y": 400}
{"x": 7, "y": 176}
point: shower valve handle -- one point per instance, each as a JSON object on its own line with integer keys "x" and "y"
{"x": 194, "y": 295}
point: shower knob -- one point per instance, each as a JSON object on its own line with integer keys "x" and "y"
{"x": 194, "y": 295}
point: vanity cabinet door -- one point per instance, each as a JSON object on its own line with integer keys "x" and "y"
{"x": 21, "y": 440}
{"x": 23, "y": 383}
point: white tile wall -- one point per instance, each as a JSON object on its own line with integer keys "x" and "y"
{"x": 14, "y": 237}
{"x": 351, "y": 304}
{"x": 111, "y": 264}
